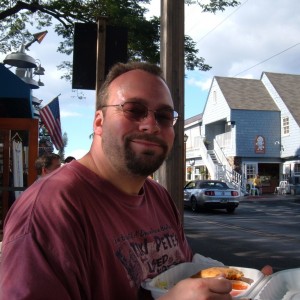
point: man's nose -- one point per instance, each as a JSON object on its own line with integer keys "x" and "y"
{"x": 150, "y": 123}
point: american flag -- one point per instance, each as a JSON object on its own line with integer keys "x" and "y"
{"x": 51, "y": 119}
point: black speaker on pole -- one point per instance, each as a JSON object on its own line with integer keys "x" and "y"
{"x": 84, "y": 56}
{"x": 85, "y": 52}
{"x": 116, "y": 46}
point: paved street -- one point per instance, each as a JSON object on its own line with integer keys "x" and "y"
{"x": 263, "y": 230}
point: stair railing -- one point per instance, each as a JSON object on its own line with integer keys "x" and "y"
{"x": 232, "y": 177}
{"x": 207, "y": 159}
{"x": 222, "y": 159}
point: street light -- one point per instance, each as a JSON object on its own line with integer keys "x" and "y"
{"x": 185, "y": 138}
{"x": 39, "y": 70}
{"x": 20, "y": 59}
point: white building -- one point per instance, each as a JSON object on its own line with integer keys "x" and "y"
{"x": 247, "y": 127}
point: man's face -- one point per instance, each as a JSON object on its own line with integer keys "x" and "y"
{"x": 136, "y": 146}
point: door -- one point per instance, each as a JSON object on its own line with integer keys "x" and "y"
{"x": 18, "y": 152}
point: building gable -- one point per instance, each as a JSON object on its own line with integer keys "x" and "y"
{"x": 287, "y": 87}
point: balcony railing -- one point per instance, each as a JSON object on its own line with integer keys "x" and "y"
{"x": 224, "y": 140}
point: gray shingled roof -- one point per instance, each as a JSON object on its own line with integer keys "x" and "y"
{"x": 288, "y": 88}
{"x": 247, "y": 94}
{"x": 196, "y": 118}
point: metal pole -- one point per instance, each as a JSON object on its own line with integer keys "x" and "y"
{"x": 100, "y": 60}
{"x": 171, "y": 174}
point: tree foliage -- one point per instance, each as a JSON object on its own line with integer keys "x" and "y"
{"x": 144, "y": 34}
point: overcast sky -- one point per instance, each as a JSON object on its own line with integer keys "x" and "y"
{"x": 257, "y": 36}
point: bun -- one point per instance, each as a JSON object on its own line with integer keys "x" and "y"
{"x": 229, "y": 273}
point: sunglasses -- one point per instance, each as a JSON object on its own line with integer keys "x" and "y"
{"x": 136, "y": 111}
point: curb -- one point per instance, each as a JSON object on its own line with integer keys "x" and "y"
{"x": 270, "y": 198}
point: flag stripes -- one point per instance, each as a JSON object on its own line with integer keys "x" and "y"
{"x": 50, "y": 117}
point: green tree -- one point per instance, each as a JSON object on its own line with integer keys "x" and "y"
{"x": 61, "y": 152}
{"x": 144, "y": 35}
{"x": 46, "y": 144}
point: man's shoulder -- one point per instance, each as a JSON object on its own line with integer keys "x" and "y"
{"x": 155, "y": 185}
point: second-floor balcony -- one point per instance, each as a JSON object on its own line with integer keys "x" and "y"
{"x": 224, "y": 140}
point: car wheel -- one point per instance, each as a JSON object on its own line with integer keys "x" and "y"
{"x": 230, "y": 210}
{"x": 194, "y": 205}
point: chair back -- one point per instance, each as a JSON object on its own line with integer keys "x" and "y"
{"x": 283, "y": 184}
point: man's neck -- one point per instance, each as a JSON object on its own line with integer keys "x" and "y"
{"x": 126, "y": 182}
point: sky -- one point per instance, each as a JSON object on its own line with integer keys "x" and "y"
{"x": 257, "y": 36}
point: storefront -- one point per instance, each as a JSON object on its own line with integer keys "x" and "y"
{"x": 268, "y": 172}
{"x": 18, "y": 139}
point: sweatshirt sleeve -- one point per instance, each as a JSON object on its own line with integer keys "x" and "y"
{"x": 41, "y": 257}
{"x": 25, "y": 273}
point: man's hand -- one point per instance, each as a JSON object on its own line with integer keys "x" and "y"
{"x": 217, "y": 288}
{"x": 267, "y": 270}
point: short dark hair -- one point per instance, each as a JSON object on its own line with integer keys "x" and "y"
{"x": 69, "y": 159}
{"x": 45, "y": 161}
{"x": 119, "y": 69}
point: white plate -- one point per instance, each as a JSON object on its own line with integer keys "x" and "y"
{"x": 250, "y": 273}
{"x": 160, "y": 284}
{"x": 283, "y": 285}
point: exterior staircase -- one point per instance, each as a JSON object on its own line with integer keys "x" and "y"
{"x": 219, "y": 167}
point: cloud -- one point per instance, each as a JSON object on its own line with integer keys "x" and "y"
{"x": 255, "y": 32}
{"x": 66, "y": 114}
{"x": 193, "y": 81}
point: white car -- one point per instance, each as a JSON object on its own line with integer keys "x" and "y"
{"x": 212, "y": 194}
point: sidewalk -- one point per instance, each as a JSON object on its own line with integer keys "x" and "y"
{"x": 270, "y": 197}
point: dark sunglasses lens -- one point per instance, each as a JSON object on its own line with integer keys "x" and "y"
{"x": 165, "y": 117}
{"x": 135, "y": 111}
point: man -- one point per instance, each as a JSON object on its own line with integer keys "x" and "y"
{"x": 257, "y": 184}
{"x": 98, "y": 227}
{"x": 47, "y": 163}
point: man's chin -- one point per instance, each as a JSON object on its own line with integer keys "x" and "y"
{"x": 145, "y": 168}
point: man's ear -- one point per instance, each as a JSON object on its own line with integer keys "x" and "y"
{"x": 44, "y": 171}
{"x": 98, "y": 122}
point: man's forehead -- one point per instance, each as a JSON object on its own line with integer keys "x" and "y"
{"x": 136, "y": 76}
{"x": 136, "y": 83}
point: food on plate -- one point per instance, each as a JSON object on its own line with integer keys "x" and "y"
{"x": 239, "y": 285}
{"x": 227, "y": 272}
{"x": 161, "y": 284}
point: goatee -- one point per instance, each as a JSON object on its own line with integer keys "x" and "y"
{"x": 147, "y": 162}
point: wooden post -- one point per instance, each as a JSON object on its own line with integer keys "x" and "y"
{"x": 171, "y": 173}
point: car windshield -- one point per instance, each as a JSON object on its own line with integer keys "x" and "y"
{"x": 191, "y": 185}
{"x": 213, "y": 185}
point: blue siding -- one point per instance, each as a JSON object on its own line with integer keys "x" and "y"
{"x": 250, "y": 124}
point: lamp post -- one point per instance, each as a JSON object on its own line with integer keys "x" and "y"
{"x": 185, "y": 138}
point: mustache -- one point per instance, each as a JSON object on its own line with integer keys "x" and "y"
{"x": 147, "y": 137}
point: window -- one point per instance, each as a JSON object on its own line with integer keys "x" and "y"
{"x": 214, "y": 97}
{"x": 197, "y": 140}
{"x": 251, "y": 170}
{"x": 285, "y": 126}
{"x": 297, "y": 169}
{"x": 191, "y": 185}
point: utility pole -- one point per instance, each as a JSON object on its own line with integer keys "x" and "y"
{"x": 100, "y": 57}
{"x": 171, "y": 173}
